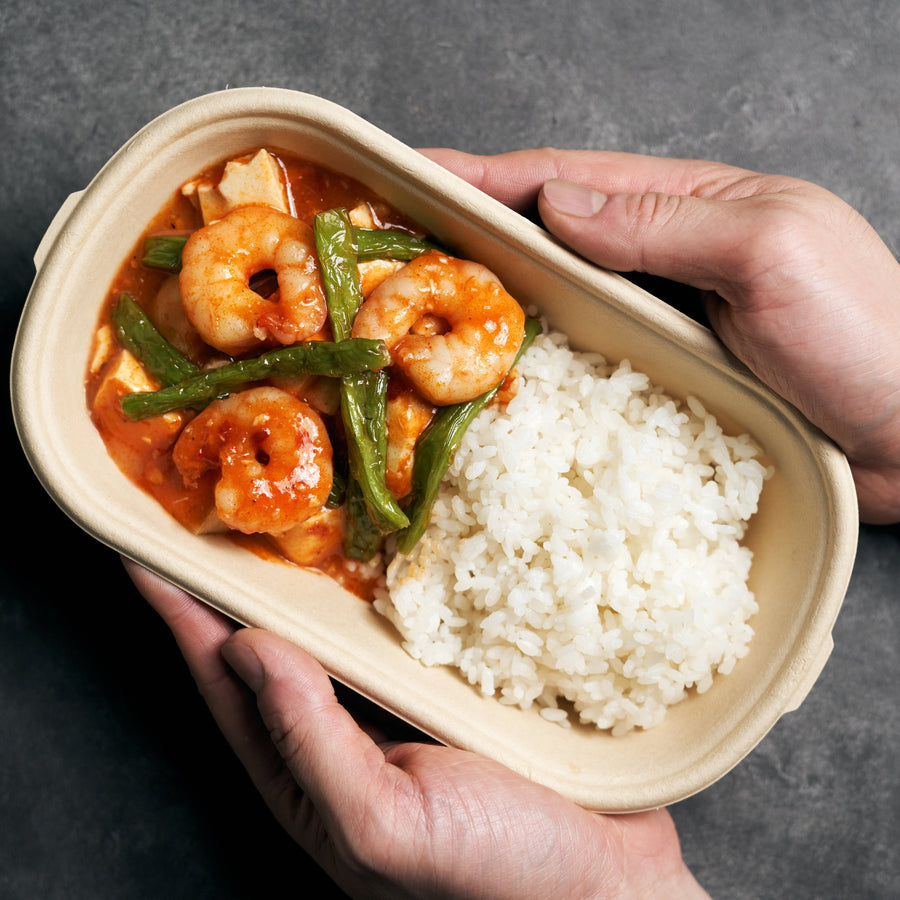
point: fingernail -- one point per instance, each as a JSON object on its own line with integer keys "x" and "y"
{"x": 573, "y": 199}
{"x": 246, "y": 664}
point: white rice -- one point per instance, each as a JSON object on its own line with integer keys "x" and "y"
{"x": 584, "y": 552}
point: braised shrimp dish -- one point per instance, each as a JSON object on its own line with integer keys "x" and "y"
{"x": 290, "y": 363}
{"x": 287, "y": 360}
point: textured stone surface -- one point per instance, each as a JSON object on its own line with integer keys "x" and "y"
{"x": 113, "y": 783}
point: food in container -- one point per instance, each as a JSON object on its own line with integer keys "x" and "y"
{"x": 798, "y": 575}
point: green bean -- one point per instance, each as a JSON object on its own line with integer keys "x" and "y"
{"x": 337, "y": 262}
{"x": 164, "y": 251}
{"x": 140, "y": 336}
{"x": 363, "y": 412}
{"x": 338, "y": 492}
{"x": 313, "y": 358}
{"x": 363, "y": 396}
{"x": 389, "y": 243}
{"x": 435, "y": 450}
{"x": 362, "y": 537}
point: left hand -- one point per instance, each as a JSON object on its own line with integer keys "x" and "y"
{"x": 388, "y": 818}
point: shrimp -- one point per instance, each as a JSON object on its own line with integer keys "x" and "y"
{"x": 220, "y": 258}
{"x": 166, "y": 311}
{"x": 315, "y": 539}
{"x": 407, "y": 416}
{"x": 271, "y": 453}
{"x": 486, "y": 326}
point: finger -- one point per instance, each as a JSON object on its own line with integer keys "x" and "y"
{"x": 512, "y": 178}
{"x": 516, "y": 178}
{"x": 332, "y": 759}
{"x": 693, "y": 240}
{"x": 628, "y": 212}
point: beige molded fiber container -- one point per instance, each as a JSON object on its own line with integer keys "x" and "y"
{"x": 803, "y": 538}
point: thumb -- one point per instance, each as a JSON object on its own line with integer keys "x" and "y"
{"x": 686, "y": 239}
{"x": 327, "y": 754}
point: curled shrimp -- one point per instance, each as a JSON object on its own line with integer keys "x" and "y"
{"x": 452, "y": 364}
{"x": 217, "y": 264}
{"x": 271, "y": 454}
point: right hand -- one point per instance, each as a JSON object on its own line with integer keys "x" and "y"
{"x": 798, "y": 285}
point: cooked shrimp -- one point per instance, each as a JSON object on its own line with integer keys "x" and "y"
{"x": 217, "y": 264}
{"x": 315, "y": 539}
{"x": 166, "y": 311}
{"x": 272, "y": 455}
{"x": 407, "y": 416}
{"x": 485, "y": 323}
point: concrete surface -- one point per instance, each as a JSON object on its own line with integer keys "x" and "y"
{"x": 113, "y": 781}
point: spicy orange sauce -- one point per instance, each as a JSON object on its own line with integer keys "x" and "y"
{"x": 142, "y": 449}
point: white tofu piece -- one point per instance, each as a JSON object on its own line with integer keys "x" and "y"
{"x": 125, "y": 375}
{"x": 139, "y": 448}
{"x": 361, "y": 216}
{"x": 104, "y": 347}
{"x": 246, "y": 181}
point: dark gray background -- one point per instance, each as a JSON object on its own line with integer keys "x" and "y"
{"x": 113, "y": 782}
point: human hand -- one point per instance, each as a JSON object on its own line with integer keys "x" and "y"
{"x": 391, "y": 818}
{"x": 797, "y": 284}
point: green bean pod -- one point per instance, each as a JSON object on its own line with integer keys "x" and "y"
{"x": 436, "y": 447}
{"x": 363, "y": 396}
{"x": 389, "y": 243}
{"x": 163, "y": 251}
{"x": 140, "y": 337}
{"x": 336, "y": 248}
{"x": 363, "y": 412}
{"x": 310, "y": 358}
{"x": 362, "y": 537}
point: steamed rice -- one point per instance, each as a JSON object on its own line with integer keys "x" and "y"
{"x": 584, "y": 552}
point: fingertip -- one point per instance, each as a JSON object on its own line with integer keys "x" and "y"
{"x": 570, "y": 199}
{"x": 242, "y": 659}
{"x": 304, "y": 719}
{"x": 467, "y": 166}
{"x": 586, "y": 221}
{"x": 259, "y": 656}
{"x": 514, "y": 177}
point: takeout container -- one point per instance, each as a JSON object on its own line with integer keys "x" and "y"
{"x": 803, "y": 538}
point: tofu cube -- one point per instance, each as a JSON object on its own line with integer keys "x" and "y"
{"x": 246, "y": 181}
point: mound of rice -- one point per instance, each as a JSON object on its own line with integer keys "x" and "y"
{"x": 584, "y": 553}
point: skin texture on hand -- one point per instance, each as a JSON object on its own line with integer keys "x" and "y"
{"x": 797, "y": 284}
{"x": 393, "y": 818}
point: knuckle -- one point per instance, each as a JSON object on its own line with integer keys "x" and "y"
{"x": 287, "y": 734}
{"x": 649, "y": 216}
{"x": 781, "y": 227}
{"x": 653, "y": 209}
